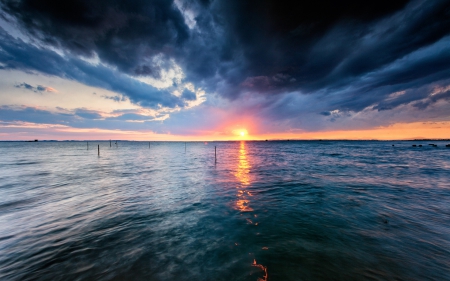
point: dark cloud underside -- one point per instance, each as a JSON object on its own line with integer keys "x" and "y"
{"x": 121, "y": 33}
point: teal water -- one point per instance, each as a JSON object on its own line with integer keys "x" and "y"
{"x": 298, "y": 210}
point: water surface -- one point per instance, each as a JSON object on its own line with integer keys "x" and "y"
{"x": 298, "y": 210}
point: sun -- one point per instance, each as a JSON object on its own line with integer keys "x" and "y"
{"x": 240, "y": 133}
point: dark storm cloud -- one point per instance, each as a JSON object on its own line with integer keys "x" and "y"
{"x": 364, "y": 51}
{"x": 330, "y": 41}
{"x": 350, "y": 54}
{"x": 15, "y": 54}
{"x": 121, "y": 33}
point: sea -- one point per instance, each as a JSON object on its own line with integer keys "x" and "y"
{"x": 244, "y": 210}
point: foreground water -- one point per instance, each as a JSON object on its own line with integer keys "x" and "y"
{"x": 265, "y": 211}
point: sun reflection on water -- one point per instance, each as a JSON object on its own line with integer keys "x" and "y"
{"x": 243, "y": 166}
{"x": 242, "y": 174}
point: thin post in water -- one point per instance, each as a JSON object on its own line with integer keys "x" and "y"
{"x": 98, "y": 150}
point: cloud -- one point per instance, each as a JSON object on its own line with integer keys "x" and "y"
{"x": 438, "y": 94}
{"x": 87, "y": 114}
{"x": 37, "y": 89}
{"x": 115, "y": 98}
{"x": 292, "y": 65}
{"x": 132, "y": 119}
{"x": 18, "y": 55}
{"x": 34, "y": 115}
{"x": 120, "y": 33}
{"x": 281, "y": 48}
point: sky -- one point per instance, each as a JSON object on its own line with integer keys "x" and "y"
{"x": 224, "y": 69}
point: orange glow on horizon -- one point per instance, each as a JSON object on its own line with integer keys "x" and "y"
{"x": 398, "y": 131}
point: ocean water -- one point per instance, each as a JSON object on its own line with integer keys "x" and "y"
{"x": 292, "y": 210}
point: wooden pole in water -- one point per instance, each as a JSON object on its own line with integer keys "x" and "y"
{"x": 98, "y": 150}
{"x": 215, "y": 154}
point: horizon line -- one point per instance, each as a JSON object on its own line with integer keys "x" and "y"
{"x": 255, "y": 140}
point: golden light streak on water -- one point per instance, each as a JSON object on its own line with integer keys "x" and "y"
{"x": 242, "y": 174}
{"x": 244, "y": 166}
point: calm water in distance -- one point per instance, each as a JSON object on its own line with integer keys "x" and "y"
{"x": 298, "y": 210}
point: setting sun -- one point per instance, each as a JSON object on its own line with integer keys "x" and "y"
{"x": 240, "y": 133}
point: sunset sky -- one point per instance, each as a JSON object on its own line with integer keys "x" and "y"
{"x": 224, "y": 69}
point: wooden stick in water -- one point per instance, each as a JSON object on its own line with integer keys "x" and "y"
{"x": 98, "y": 150}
